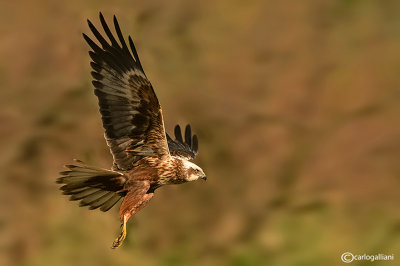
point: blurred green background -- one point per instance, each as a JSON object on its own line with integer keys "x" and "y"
{"x": 296, "y": 104}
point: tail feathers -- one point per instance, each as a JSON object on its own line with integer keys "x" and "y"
{"x": 92, "y": 186}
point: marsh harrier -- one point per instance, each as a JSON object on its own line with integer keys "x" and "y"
{"x": 145, "y": 157}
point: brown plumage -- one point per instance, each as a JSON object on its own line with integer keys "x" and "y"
{"x": 145, "y": 157}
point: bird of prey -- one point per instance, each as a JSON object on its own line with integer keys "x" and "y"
{"x": 145, "y": 157}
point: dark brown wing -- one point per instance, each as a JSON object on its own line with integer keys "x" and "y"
{"x": 187, "y": 148}
{"x": 131, "y": 114}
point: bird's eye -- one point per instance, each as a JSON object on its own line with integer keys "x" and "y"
{"x": 196, "y": 171}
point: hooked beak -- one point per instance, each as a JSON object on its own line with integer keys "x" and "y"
{"x": 204, "y": 177}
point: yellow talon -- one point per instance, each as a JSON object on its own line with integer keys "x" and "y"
{"x": 118, "y": 241}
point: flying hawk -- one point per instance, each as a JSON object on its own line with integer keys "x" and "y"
{"x": 145, "y": 157}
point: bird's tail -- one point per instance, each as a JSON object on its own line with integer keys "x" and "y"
{"x": 94, "y": 187}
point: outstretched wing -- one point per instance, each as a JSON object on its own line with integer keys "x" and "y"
{"x": 187, "y": 148}
{"x": 131, "y": 114}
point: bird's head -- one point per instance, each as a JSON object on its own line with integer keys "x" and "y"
{"x": 193, "y": 171}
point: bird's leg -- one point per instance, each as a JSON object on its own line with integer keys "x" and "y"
{"x": 118, "y": 241}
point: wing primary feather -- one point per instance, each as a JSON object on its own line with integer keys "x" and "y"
{"x": 178, "y": 133}
{"x": 96, "y": 75}
{"x": 97, "y": 84}
{"x": 107, "y": 31}
{"x": 121, "y": 37}
{"x": 188, "y": 135}
{"x": 107, "y": 59}
{"x": 91, "y": 43}
{"x": 135, "y": 55}
{"x": 100, "y": 38}
{"x": 95, "y": 66}
{"x": 95, "y": 57}
{"x": 111, "y": 61}
{"x": 195, "y": 146}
